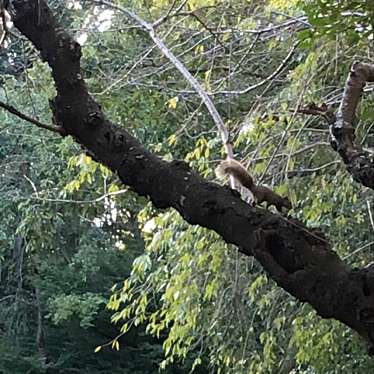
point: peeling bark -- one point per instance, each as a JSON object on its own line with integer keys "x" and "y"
{"x": 299, "y": 260}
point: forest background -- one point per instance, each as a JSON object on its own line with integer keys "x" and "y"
{"x": 95, "y": 278}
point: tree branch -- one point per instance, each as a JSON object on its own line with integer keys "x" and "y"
{"x": 358, "y": 162}
{"x": 13, "y": 110}
{"x": 282, "y": 65}
{"x": 295, "y": 257}
{"x": 182, "y": 69}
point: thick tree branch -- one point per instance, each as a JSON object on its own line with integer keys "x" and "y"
{"x": 358, "y": 162}
{"x": 296, "y": 258}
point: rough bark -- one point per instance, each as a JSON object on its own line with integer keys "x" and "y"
{"x": 299, "y": 260}
{"x": 358, "y": 162}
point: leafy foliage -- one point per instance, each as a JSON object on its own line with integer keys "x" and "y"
{"x": 73, "y": 239}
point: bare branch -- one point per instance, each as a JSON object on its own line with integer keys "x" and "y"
{"x": 360, "y": 74}
{"x": 187, "y": 75}
{"x": 13, "y": 110}
{"x": 308, "y": 171}
{"x": 168, "y": 13}
{"x": 342, "y": 131}
{"x": 283, "y": 64}
{"x": 358, "y": 162}
{"x": 271, "y": 29}
{"x": 79, "y": 202}
{"x": 212, "y": 32}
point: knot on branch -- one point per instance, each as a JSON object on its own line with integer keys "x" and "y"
{"x": 75, "y": 79}
{"x": 95, "y": 118}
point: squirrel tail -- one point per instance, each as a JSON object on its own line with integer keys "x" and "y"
{"x": 237, "y": 170}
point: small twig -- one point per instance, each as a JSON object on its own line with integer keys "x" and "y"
{"x": 302, "y": 20}
{"x": 302, "y": 172}
{"x": 280, "y": 143}
{"x": 264, "y": 81}
{"x": 92, "y": 201}
{"x": 299, "y": 151}
{"x": 370, "y": 214}
{"x": 6, "y": 297}
{"x": 292, "y": 223}
{"x": 13, "y": 110}
{"x": 205, "y": 26}
{"x": 32, "y": 185}
{"x": 357, "y": 250}
{"x": 269, "y": 29}
{"x": 168, "y": 13}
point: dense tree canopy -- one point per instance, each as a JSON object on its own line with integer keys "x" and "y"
{"x": 121, "y": 251}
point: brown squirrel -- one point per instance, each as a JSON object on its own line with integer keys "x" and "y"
{"x": 261, "y": 193}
